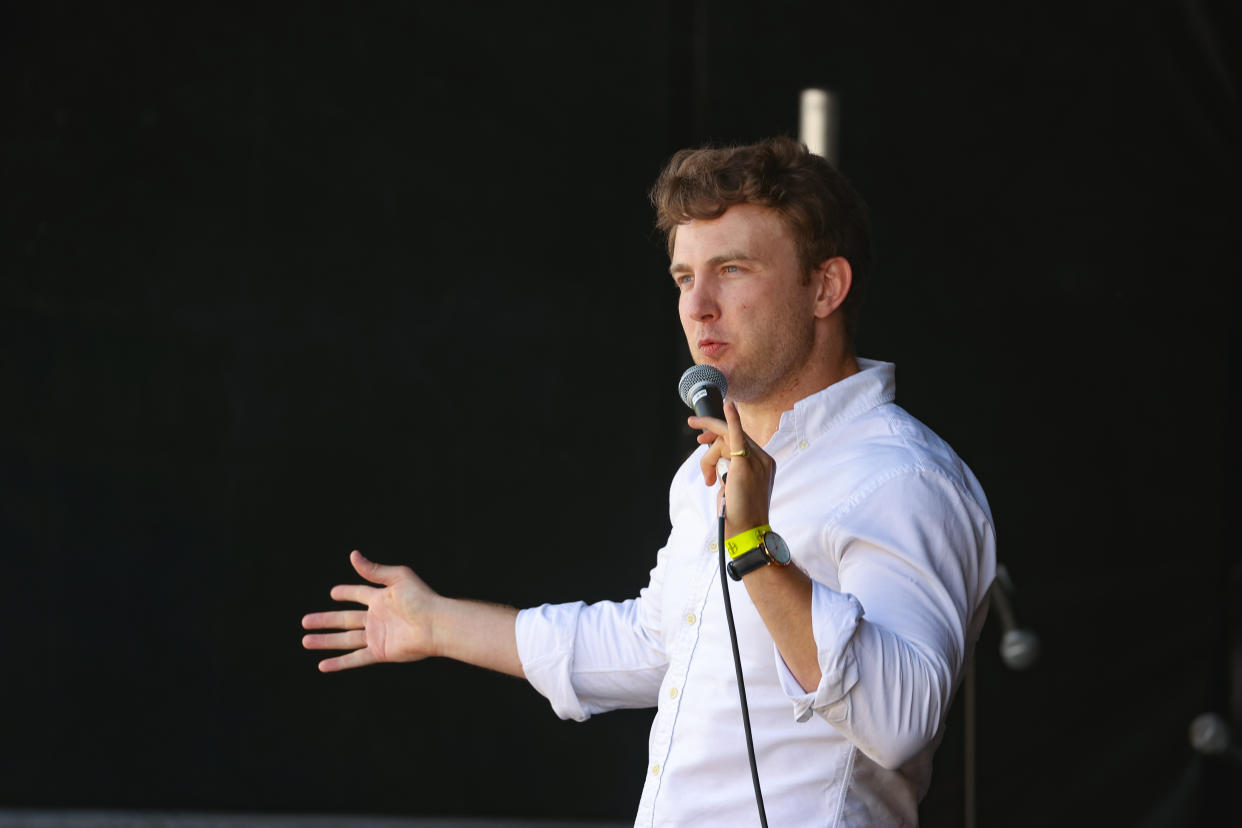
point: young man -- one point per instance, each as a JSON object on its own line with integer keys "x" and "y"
{"x": 853, "y": 622}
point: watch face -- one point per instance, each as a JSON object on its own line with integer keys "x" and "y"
{"x": 776, "y": 547}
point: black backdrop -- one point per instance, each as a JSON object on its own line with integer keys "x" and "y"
{"x": 282, "y": 282}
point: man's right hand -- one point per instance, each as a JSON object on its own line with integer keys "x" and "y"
{"x": 395, "y": 626}
{"x": 406, "y": 620}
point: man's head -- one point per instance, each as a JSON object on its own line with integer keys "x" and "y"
{"x": 822, "y": 212}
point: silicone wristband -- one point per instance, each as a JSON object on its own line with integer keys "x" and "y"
{"x": 742, "y": 543}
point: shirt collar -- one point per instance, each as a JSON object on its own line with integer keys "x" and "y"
{"x": 814, "y": 416}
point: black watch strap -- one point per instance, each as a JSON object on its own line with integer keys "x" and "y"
{"x": 748, "y": 562}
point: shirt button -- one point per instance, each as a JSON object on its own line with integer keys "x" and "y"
{"x": 672, "y": 693}
{"x": 690, "y": 619}
{"x": 804, "y": 445}
{"x": 712, "y": 546}
{"x": 655, "y": 770}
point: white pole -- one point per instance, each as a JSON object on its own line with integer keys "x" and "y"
{"x": 817, "y": 124}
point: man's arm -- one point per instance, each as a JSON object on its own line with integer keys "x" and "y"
{"x": 884, "y": 681}
{"x": 406, "y": 620}
{"x": 781, "y": 594}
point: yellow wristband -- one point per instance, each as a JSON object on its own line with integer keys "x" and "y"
{"x": 741, "y": 544}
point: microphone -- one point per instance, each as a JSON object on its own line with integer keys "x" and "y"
{"x": 1019, "y": 646}
{"x": 703, "y": 389}
{"x": 1209, "y": 734}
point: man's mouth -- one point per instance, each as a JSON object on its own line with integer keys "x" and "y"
{"x": 711, "y": 347}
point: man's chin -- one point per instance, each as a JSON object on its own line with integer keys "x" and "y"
{"x": 737, "y": 381}
{"x": 716, "y": 362}
{"x": 723, "y": 368}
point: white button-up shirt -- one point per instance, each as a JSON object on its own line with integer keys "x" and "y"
{"x": 896, "y": 535}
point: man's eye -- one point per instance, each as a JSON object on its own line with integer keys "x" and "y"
{"x": 684, "y": 280}
{"x": 730, "y": 268}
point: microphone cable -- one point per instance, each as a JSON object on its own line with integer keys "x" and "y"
{"x": 737, "y": 664}
{"x": 702, "y": 388}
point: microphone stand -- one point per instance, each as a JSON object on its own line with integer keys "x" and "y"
{"x": 1019, "y": 650}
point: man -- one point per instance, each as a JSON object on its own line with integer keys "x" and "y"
{"x": 853, "y": 623}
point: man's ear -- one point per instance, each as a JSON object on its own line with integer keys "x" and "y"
{"x": 833, "y": 278}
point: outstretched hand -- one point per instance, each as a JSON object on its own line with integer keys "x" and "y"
{"x": 395, "y": 626}
{"x": 748, "y": 487}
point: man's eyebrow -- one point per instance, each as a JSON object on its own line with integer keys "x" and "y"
{"x": 715, "y": 261}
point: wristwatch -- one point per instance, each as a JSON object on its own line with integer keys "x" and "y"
{"x": 772, "y": 549}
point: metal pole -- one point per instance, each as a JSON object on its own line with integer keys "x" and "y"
{"x": 819, "y": 123}
{"x": 970, "y": 742}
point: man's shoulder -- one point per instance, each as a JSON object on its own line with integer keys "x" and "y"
{"x": 889, "y": 436}
{"x": 887, "y": 443}
{"x": 858, "y": 419}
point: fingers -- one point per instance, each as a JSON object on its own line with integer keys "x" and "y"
{"x": 339, "y": 620}
{"x": 358, "y": 658}
{"x": 707, "y": 463}
{"x": 737, "y": 437}
{"x": 724, "y": 437}
{"x": 351, "y": 640}
{"x": 712, "y": 430}
{"x": 354, "y": 638}
{"x": 373, "y": 572}
{"x": 730, "y": 428}
{"x": 358, "y": 593}
{"x": 718, "y": 428}
{"x": 351, "y": 624}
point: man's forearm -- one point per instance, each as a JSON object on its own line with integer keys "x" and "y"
{"x": 478, "y": 633}
{"x": 782, "y": 595}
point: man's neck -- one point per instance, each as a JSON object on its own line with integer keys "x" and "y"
{"x": 761, "y": 418}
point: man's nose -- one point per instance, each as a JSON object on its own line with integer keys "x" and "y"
{"x": 700, "y": 302}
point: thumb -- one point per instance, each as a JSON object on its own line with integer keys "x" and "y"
{"x": 373, "y": 572}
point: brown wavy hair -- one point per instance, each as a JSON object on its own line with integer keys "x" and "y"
{"x": 823, "y": 212}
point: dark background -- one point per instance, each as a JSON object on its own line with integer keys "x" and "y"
{"x": 285, "y": 281}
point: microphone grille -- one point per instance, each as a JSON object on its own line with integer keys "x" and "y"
{"x": 697, "y": 375}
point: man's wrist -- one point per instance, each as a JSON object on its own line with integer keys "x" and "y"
{"x": 769, "y": 549}
{"x": 440, "y": 621}
{"x": 743, "y": 542}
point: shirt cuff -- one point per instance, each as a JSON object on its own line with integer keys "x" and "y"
{"x": 834, "y": 619}
{"x": 545, "y": 638}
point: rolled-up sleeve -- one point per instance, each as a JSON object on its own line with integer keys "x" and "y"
{"x": 588, "y": 659}
{"x": 545, "y": 642}
{"x": 916, "y": 554}
{"x": 834, "y": 621}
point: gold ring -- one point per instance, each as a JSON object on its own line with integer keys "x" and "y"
{"x": 745, "y": 452}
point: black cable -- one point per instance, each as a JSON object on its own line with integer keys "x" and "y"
{"x": 737, "y": 666}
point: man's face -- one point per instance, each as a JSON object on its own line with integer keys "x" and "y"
{"x": 745, "y": 305}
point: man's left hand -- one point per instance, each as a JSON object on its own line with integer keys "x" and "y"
{"x": 752, "y": 473}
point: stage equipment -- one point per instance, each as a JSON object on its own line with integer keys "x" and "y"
{"x": 817, "y": 123}
{"x": 1019, "y": 650}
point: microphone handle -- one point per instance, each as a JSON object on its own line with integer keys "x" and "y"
{"x": 709, "y": 403}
